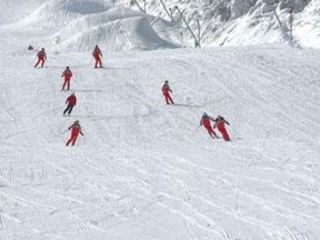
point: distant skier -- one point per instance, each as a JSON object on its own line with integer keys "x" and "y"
{"x": 42, "y": 57}
{"x": 75, "y": 131}
{"x": 205, "y": 121}
{"x": 71, "y": 101}
{"x": 97, "y": 57}
{"x": 220, "y": 121}
{"x": 67, "y": 75}
{"x": 166, "y": 90}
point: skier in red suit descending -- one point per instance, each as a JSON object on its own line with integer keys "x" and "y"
{"x": 166, "y": 90}
{"x": 71, "y": 101}
{"x": 75, "y": 131}
{"x": 42, "y": 57}
{"x": 97, "y": 57}
{"x": 220, "y": 124}
{"x": 67, "y": 75}
{"x": 205, "y": 121}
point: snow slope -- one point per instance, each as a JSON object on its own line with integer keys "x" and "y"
{"x": 144, "y": 170}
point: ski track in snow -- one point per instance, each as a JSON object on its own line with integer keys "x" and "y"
{"x": 144, "y": 170}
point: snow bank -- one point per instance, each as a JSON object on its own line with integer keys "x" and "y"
{"x": 116, "y": 29}
{"x": 78, "y": 25}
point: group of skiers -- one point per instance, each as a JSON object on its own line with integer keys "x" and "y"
{"x": 219, "y": 122}
{"x": 71, "y": 101}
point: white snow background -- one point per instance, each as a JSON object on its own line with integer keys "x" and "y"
{"x": 144, "y": 170}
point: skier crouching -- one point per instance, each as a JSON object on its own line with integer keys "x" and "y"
{"x": 75, "y": 131}
{"x": 205, "y": 121}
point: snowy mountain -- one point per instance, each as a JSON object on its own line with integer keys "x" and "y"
{"x": 144, "y": 170}
{"x": 77, "y": 25}
{"x": 244, "y": 22}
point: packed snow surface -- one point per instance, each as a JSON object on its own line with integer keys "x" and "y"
{"x": 145, "y": 170}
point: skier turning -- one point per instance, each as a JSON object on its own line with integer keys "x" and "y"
{"x": 42, "y": 57}
{"x": 166, "y": 90}
{"x": 67, "y": 75}
{"x": 71, "y": 101}
{"x": 205, "y": 121}
{"x": 75, "y": 131}
{"x": 97, "y": 57}
{"x": 219, "y": 123}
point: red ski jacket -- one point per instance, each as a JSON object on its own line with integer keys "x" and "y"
{"x": 42, "y": 55}
{"x": 205, "y": 121}
{"x": 71, "y": 100}
{"x": 67, "y": 74}
{"x": 166, "y": 89}
{"x": 220, "y": 123}
{"x": 75, "y": 129}
{"x": 97, "y": 53}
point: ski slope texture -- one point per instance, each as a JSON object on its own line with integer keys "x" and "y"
{"x": 145, "y": 170}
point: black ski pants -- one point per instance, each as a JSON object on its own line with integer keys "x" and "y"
{"x": 68, "y": 110}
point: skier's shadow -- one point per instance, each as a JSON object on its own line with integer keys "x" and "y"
{"x": 187, "y": 105}
{"x": 88, "y": 90}
{"x": 56, "y": 67}
{"x": 92, "y": 117}
{"x": 116, "y": 68}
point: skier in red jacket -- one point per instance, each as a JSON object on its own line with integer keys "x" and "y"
{"x": 75, "y": 130}
{"x": 71, "y": 101}
{"x": 205, "y": 121}
{"x": 42, "y": 57}
{"x": 67, "y": 75}
{"x": 220, "y": 121}
{"x": 166, "y": 90}
{"x": 97, "y": 57}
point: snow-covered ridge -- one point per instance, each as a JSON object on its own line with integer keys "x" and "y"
{"x": 81, "y": 24}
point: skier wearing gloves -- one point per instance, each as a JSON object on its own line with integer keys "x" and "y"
{"x": 71, "y": 101}
{"x": 42, "y": 57}
{"x": 75, "y": 131}
{"x": 67, "y": 75}
{"x": 166, "y": 90}
{"x": 97, "y": 57}
{"x": 205, "y": 121}
{"x": 219, "y": 123}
